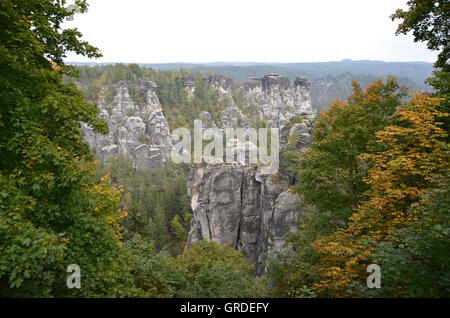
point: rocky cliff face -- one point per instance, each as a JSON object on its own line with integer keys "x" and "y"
{"x": 139, "y": 131}
{"x": 272, "y": 97}
{"x": 277, "y": 100}
{"x": 234, "y": 203}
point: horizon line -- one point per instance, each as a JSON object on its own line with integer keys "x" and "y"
{"x": 248, "y": 62}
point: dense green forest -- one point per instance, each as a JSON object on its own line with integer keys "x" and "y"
{"x": 156, "y": 202}
{"x": 374, "y": 182}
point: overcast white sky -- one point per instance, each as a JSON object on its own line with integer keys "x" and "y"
{"x": 160, "y": 31}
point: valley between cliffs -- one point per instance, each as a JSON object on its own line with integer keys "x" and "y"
{"x": 232, "y": 203}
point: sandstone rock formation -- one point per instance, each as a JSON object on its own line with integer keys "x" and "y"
{"x": 188, "y": 82}
{"x": 139, "y": 131}
{"x": 234, "y": 203}
{"x": 220, "y": 82}
{"x": 276, "y": 100}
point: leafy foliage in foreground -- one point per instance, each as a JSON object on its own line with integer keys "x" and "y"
{"x": 52, "y": 212}
{"x": 399, "y": 216}
{"x": 429, "y": 22}
{"x": 331, "y": 178}
{"x": 331, "y": 173}
{"x": 415, "y": 155}
{"x": 416, "y": 261}
{"x": 215, "y": 270}
{"x": 206, "y": 269}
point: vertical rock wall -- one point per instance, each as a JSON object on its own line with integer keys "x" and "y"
{"x": 235, "y": 204}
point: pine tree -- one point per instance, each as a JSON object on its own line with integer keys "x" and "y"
{"x": 160, "y": 229}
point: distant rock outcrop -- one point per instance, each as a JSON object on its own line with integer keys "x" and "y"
{"x": 188, "y": 82}
{"x": 139, "y": 131}
{"x": 276, "y": 100}
{"x": 220, "y": 82}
